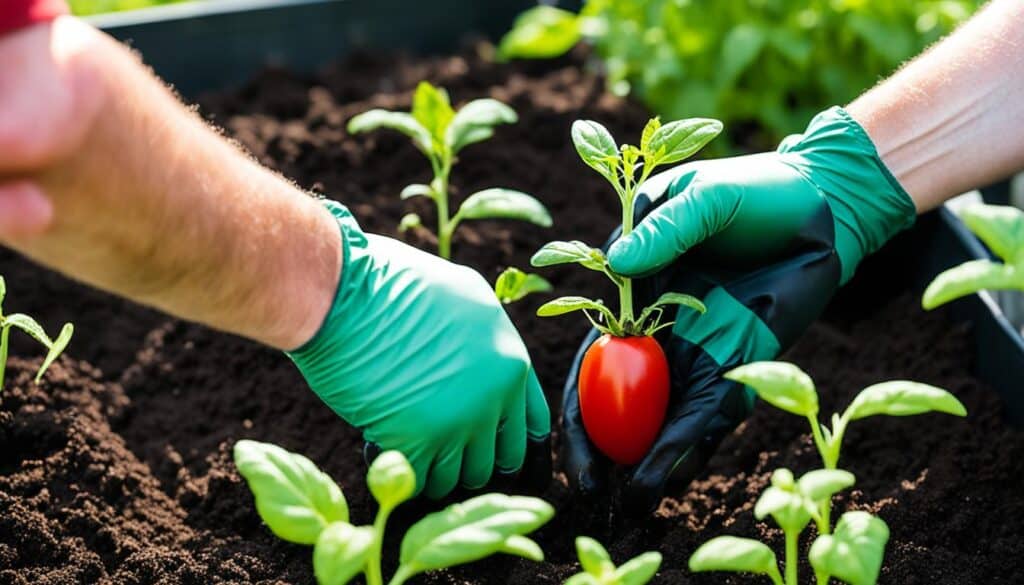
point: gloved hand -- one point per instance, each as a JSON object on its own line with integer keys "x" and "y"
{"x": 418, "y": 353}
{"x": 768, "y": 239}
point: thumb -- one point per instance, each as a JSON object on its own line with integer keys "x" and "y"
{"x": 698, "y": 212}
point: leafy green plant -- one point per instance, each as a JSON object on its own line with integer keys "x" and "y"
{"x": 625, "y": 167}
{"x": 54, "y": 347}
{"x": 774, "y": 64}
{"x": 1001, "y": 228}
{"x": 440, "y": 133}
{"x": 598, "y": 568}
{"x": 514, "y": 284}
{"x": 301, "y": 504}
{"x": 854, "y": 551}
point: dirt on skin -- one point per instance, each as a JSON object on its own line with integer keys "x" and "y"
{"x": 117, "y": 468}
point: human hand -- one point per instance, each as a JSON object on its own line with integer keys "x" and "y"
{"x": 418, "y": 353}
{"x": 768, "y": 239}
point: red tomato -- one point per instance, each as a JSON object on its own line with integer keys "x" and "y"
{"x": 624, "y": 388}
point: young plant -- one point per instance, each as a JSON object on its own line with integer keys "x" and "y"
{"x": 1002, "y": 229}
{"x": 440, "y": 133}
{"x": 598, "y": 568}
{"x": 853, "y": 553}
{"x": 54, "y": 347}
{"x": 301, "y": 504}
{"x": 514, "y": 284}
{"x": 623, "y": 384}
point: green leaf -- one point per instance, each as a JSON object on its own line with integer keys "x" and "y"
{"x": 582, "y": 579}
{"x": 554, "y": 253}
{"x": 780, "y": 384}
{"x": 673, "y": 298}
{"x": 595, "y": 146}
{"x": 504, "y": 204}
{"x": 391, "y": 479}
{"x": 1001, "y": 227}
{"x": 514, "y": 284}
{"x": 821, "y": 484}
{"x": 563, "y": 305}
{"x": 969, "y": 278}
{"x": 739, "y": 50}
{"x": 645, "y": 140}
{"x": 678, "y": 140}
{"x": 594, "y": 558}
{"x": 29, "y": 326}
{"x": 341, "y": 553}
{"x": 903, "y": 398}
{"x": 785, "y": 503}
{"x": 854, "y": 552}
{"x": 740, "y": 555}
{"x": 472, "y": 530}
{"x": 3, "y": 291}
{"x": 294, "y": 498}
{"x": 408, "y": 222}
{"x": 521, "y": 546}
{"x": 539, "y": 33}
{"x": 433, "y": 110}
{"x": 639, "y": 570}
{"x": 474, "y": 122}
{"x": 417, "y": 190}
{"x": 400, "y": 121}
{"x": 56, "y": 348}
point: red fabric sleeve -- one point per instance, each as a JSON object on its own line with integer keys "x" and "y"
{"x": 15, "y": 14}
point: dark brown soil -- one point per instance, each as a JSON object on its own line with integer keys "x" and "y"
{"x": 120, "y": 471}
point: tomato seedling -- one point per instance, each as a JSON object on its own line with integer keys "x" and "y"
{"x": 853, "y": 552}
{"x": 514, "y": 284}
{"x": 623, "y": 385}
{"x": 302, "y": 504}
{"x": 54, "y": 347}
{"x": 440, "y": 133}
{"x": 1001, "y": 227}
{"x": 598, "y": 568}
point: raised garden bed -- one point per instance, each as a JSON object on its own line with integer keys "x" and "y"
{"x": 118, "y": 467}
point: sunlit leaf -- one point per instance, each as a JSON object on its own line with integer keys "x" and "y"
{"x": 780, "y": 384}
{"x": 294, "y": 498}
{"x": 854, "y": 552}
{"x": 903, "y": 398}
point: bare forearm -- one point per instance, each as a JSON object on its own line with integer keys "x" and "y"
{"x": 157, "y": 207}
{"x": 953, "y": 119}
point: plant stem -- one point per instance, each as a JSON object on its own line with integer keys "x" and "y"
{"x": 373, "y": 570}
{"x": 444, "y": 227}
{"x": 791, "y": 554}
{"x": 401, "y": 575}
{"x": 626, "y": 288}
{"x": 821, "y": 578}
{"x": 3, "y": 350}
{"x": 819, "y": 439}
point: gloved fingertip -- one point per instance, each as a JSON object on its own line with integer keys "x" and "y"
{"x": 622, "y": 256}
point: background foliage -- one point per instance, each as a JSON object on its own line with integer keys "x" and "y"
{"x": 87, "y": 7}
{"x": 772, "y": 64}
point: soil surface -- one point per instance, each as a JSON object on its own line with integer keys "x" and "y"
{"x": 117, "y": 469}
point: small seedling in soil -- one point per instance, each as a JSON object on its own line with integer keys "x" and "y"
{"x": 54, "y": 347}
{"x": 853, "y": 552}
{"x": 598, "y": 568}
{"x": 440, "y": 133}
{"x": 1002, "y": 229}
{"x": 514, "y": 284}
{"x": 302, "y": 504}
{"x": 623, "y": 382}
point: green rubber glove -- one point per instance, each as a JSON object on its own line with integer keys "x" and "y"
{"x": 765, "y": 241}
{"x": 418, "y": 353}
